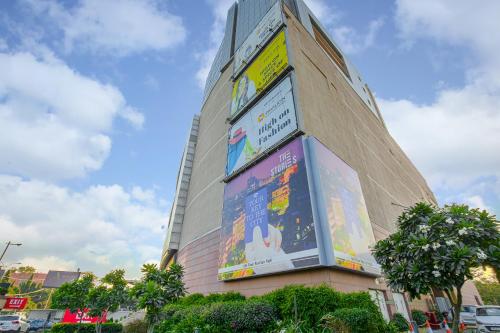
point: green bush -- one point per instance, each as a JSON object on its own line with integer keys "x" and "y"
{"x": 231, "y": 316}
{"x": 354, "y": 320}
{"x": 251, "y": 316}
{"x": 419, "y": 317}
{"x": 86, "y": 328}
{"x": 136, "y": 326}
{"x": 199, "y": 299}
{"x": 183, "y": 319}
{"x": 399, "y": 321}
{"x": 306, "y": 304}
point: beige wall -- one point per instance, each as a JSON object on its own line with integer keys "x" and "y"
{"x": 330, "y": 111}
{"x": 336, "y": 115}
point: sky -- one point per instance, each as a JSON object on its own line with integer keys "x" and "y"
{"x": 96, "y": 100}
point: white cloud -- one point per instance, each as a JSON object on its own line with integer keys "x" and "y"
{"x": 3, "y": 44}
{"x": 206, "y": 58}
{"x": 349, "y": 39}
{"x": 44, "y": 264}
{"x": 455, "y": 139}
{"x": 324, "y": 11}
{"x": 353, "y": 42}
{"x": 96, "y": 229}
{"x": 54, "y": 122}
{"x": 114, "y": 27}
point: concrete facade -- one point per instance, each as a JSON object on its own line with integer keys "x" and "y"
{"x": 332, "y": 109}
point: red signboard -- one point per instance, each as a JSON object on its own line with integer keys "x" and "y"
{"x": 85, "y": 318}
{"x": 15, "y": 303}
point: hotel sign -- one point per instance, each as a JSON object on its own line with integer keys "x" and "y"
{"x": 266, "y": 124}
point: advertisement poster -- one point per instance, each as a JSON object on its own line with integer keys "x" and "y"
{"x": 15, "y": 303}
{"x": 350, "y": 228}
{"x": 268, "y": 122}
{"x": 270, "y": 63}
{"x": 267, "y": 220}
{"x": 262, "y": 32}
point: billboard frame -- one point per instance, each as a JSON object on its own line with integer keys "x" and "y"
{"x": 319, "y": 243}
{"x": 328, "y": 241}
{"x": 298, "y": 131}
{"x": 238, "y": 71}
{"x": 232, "y": 118}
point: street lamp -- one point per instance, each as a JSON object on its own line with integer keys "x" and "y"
{"x": 9, "y": 243}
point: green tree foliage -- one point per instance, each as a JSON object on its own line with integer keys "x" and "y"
{"x": 107, "y": 297}
{"x": 157, "y": 289}
{"x": 489, "y": 291}
{"x": 439, "y": 248}
{"x": 73, "y": 295}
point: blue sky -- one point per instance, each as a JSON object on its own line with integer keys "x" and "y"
{"x": 96, "y": 98}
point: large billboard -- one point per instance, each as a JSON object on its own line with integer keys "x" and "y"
{"x": 270, "y": 63}
{"x": 267, "y": 222}
{"x": 55, "y": 279}
{"x": 343, "y": 204}
{"x": 258, "y": 37}
{"x": 268, "y": 122}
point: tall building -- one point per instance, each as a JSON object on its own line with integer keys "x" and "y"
{"x": 289, "y": 172}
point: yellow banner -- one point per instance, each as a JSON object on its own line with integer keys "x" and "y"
{"x": 261, "y": 73}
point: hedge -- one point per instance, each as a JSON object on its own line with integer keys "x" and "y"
{"x": 86, "y": 328}
{"x": 290, "y": 306}
{"x": 419, "y": 317}
{"x": 355, "y": 320}
{"x": 400, "y": 322}
{"x": 231, "y": 316}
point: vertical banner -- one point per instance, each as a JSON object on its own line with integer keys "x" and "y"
{"x": 267, "y": 220}
{"x": 267, "y": 123}
{"x": 271, "y": 62}
{"x": 262, "y": 32}
{"x": 344, "y": 206}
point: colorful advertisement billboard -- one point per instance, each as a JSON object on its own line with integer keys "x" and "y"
{"x": 271, "y": 62}
{"x": 267, "y": 221}
{"x": 258, "y": 37}
{"x": 341, "y": 198}
{"x": 268, "y": 122}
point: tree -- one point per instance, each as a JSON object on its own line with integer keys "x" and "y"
{"x": 439, "y": 248}
{"x": 73, "y": 295}
{"x": 25, "y": 269}
{"x": 108, "y": 296}
{"x": 157, "y": 289}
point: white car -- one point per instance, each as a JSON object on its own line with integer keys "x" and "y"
{"x": 468, "y": 315}
{"x": 13, "y": 323}
{"x": 488, "y": 319}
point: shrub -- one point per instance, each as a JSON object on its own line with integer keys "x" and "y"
{"x": 231, "y": 316}
{"x": 419, "y": 317}
{"x": 399, "y": 321}
{"x": 86, "y": 328}
{"x": 200, "y": 299}
{"x": 354, "y": 320}
{"x": 237, "y": 316}
{"x": 136, "y": 326}
{"x": 307, "y": 304}
{"x": 182, "y": 319}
